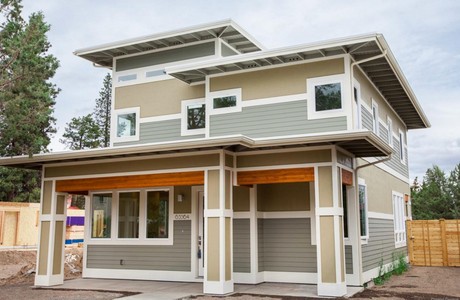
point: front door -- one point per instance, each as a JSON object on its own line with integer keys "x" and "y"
{"x": 200, "y": 241}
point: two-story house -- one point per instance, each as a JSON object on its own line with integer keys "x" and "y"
{"x": 230, "y": 163}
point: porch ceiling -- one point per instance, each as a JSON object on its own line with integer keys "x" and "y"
{"x": 384, "y": 72}
{"x": 359, "y": 143}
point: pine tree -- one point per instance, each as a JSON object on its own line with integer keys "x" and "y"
{"x": 81, "y": 133}
{"x": 27, "y": 97}
{"x": 102, "y": 110}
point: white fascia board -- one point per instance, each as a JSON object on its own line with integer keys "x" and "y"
{"x": 402, "y": 79}
{"x": 274, "y": 52}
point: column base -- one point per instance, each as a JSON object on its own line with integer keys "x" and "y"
{"x": 49, "y": 280}
{"x": 332, "y": 289}
{"x": 218, "y": 287}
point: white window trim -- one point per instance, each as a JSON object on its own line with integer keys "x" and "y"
{"x": 390, "y": 131}
{"x": 90, "y": 221}
{"x": 184, "y": 107}
{"x": 114, "y": 125}
{"x": 364, "y": 238}
{"x": 311, "y": 103}
{"x": 375, "y": 117}
{"x": 358, "y": 121}
{"x": 402, "y": 147}
{"x": 224, "y": 93}
{"x": 142, "y": 240}
{"x": 400, "y": 218}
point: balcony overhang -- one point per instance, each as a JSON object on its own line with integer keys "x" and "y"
{"x": 227, "y": 30}
{"x": 384, "y": 72}
{"x": 358, "y": 143}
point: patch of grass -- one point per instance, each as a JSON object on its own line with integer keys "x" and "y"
{"x": 397, "y": 267}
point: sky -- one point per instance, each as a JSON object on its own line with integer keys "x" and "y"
{"x": 423, "y": 35}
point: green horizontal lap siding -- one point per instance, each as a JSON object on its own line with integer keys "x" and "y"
{"x": 273, "y": 120}
{"x": 241, "y": 246}
{"x": 161, "y": 131}
{"x": 145, "y": 257}
{"x": 383, "y": 132}
{"x": 167, "y": 56}
{"x": 381, "y": 244}
{"x": 348, "y": 259}
{"x": 395, "y": 161}
{"x": 286, "y": 246}
{"x": 366, "y": 118}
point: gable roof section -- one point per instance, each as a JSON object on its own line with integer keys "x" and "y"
{"x": 226, "y": 30}
{"x": 384, "y": 72}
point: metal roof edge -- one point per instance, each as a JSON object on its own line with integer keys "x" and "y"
{"x": 402, "y": 78}
{"x": 167, "y": 34}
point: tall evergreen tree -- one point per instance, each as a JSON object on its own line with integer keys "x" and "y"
{"x": 27, "y": 97}
{"x": 102, "y": 110}
{"x": 81, "y": 133}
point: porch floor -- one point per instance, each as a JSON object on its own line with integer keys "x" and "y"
{"x": 165, "y": 290}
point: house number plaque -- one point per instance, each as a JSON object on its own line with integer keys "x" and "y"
{"x": 182, "y": 217}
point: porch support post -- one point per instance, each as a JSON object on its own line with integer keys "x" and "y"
{"x": 218, "y": 213}
{"x": 50, "y": 256}
{"x": 329, "y": 232}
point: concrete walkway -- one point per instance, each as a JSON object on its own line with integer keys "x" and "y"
{"x": 165, "y": 290}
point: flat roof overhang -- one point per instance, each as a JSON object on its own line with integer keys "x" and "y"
{"x": 227, "y": 30}
{"x": 359, "y": 143}
{"x": 384, "y": 72}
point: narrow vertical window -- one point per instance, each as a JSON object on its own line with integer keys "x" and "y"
{"x": 362, "y": 210}
{"x": 345, "y": 210}
{"x": 399, "y": 219}
{"x": 101, "y": 215}
{"x": 128, "y": 215}
{"x": 157, "y": 214}
{"x": 402, "y": 155}
{"x": 390, "y": 131}
{"x": 375, "y": 118}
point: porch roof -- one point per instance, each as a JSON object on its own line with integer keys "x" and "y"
{"x": 370, "y": 52}
{"x": 361, "y": 143}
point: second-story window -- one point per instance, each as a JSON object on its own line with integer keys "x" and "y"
{"x": 375, "y": 117}
{"x": 223, "y": 102}
{"x": 328, "y": 96}
{"x": 325, "y": 97}
{"x": 193, "y": 117}
{"x": 126, "y": 125}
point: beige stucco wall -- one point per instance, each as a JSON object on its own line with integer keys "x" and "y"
{"x": 157, "y": 98}
{"x": 380, "y": 185}
{"x": 283, "y": 197}
{"x": 276, "y": 82}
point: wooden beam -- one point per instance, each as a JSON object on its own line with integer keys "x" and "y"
{"x": 276, "y": 176}
{"x": 347, "y": 177}
{"x": 128, "y": 182}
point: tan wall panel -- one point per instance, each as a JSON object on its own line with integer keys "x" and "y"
{"x": 157, "y": 98}
{"x": 241, "y": 198}
{"x": 339, "y": 185}
{"x": 194, "y": 161}
{"x": 229, "y": 160}
{"x": 273, "y": 159}
{"x": 60, "y": 204}
{"x": 213, "y": 250}
{"x": 275, "y": 82}
{"x": 283, "y": 197}
{"x": 58, "y": 245}
{"x": 44, "y": 248}
{"x": 213, "y": 190}
{"x": 47, "y": 194}
{"x": 228, "y": 246}
{"x": 380, "y": 185}
{"x": 184, "y": 207}
{"x": 342, "y": 249}
{"x": 325, "y": 186}
{"x": 126, "y": 182}
{"x": 228, "y": 186}
{"x": 327, "y": 249}
{"x": 275, "y": 176}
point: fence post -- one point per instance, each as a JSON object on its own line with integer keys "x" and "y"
{"x": 445, "y": 258}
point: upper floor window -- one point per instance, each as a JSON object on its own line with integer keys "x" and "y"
{"x": 126, "y": 124}
{"x": 357, "y": 104}
{"x": 402, "y": 152}
{"x": 325, "y": 96}
{"x": 225, "y": 101}
{"x": 193, "y": 117}
{"x": 375, "y": 117}
{"x": 390, "y": 131}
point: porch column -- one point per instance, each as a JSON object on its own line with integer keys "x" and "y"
{"x": 218, "y": 273}
{"x": 50, "y": 256}
{"x": 329, "y": 233}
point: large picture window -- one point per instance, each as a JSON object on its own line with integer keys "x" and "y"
{"x": 101, "y": 215}
{"x": 399, "y": 220}
{"x": 157, "y": 214}
{"x": 325, "y": 97}
{"x": 328, "y": 96}
{"x": 128, "y": 215}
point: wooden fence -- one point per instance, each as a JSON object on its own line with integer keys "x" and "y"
{"x": 434, "y": 242}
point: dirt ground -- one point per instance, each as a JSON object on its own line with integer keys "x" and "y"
{"x": 17, "y": 272}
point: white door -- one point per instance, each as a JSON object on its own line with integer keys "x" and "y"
{"x": 200, "y": 241}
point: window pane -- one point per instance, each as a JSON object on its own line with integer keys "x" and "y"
{"x": 345, "y": 210}
{"x": 196, "y": 116}
{"x": 101, "y": 212}
{"x": 401, "y": 147}
{"x": 128, "y": 215}
{"x": 126, "y": 125}
{"x": 222, "y": 102}
{"x": 328, "y": 96}
{"x": 157, "y": 214}
{"x": 362, "y": 210}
